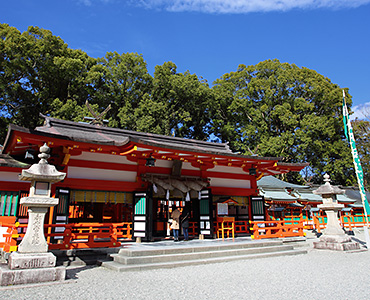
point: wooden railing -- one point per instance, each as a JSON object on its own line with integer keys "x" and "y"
{"x": 348, "y": 222}
{"x": 276, "y": 229}
{"x": 8, "y": 233}
{"x": 193, "y": 229}
{"x": 354, "y": 221}
{"x": 10, "y": 240}
{"x": 241, "y": 227}
{"x": 73, "y": 236}
{"x": 319, "y": 223}
{"x": 225, "y": 226}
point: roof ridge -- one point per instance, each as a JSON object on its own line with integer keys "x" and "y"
{"x": 49, "y": 121}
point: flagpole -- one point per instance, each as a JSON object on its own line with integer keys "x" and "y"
{"x": 358, "y": 168}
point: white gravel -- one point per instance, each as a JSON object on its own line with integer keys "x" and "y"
{"x": 320, "y": 274}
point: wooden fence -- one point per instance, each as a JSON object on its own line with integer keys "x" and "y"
{"x": 276, "y": 229}
{"x": 96, "y": 235}
{"x": 348, "y": 222}
{"x": 72, "y": 236}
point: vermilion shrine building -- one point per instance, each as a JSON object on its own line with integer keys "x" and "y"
{"x": 116, "y": 175}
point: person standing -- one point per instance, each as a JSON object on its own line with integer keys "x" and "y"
{"x": 175, "y": 215}
{"x": 185, "y": 223}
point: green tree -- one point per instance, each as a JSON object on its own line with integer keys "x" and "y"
{"x": 122, "y": 81}
{"x": 277, "y": 109}
{"x": 36, "y": 68}
{"x": 178, "y": 104}
{"x": 361, "y": 130}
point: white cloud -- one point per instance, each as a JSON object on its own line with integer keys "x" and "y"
{"x": 361, "y": 111}
{"x": 91, "y": 2}
{"x": 85, "y": 2}
{"x": 247, "y": 6}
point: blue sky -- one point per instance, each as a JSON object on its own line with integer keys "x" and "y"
{"x": 212, "y": 37}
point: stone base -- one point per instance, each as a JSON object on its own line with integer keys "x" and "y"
{"x": 31, "y": 260}
{"x": 336, "y": 242}
{"x": 25, "y": 276}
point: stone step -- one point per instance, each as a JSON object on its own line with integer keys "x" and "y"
{"x": 113, "y": 265}
{"x": 154, "y": 257}
{"x": 156, "y": 249}
{"x": 83, "y": 257}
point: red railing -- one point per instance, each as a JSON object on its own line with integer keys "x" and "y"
{"x": 73, "y": 236}
{"x": 348, "y": 222}
{"x": 354, "y": 221}
{"x": 241, "y": 227}
{"x": 193, "y": 229}
{"x": 276, "y": 229}
{"x": 319, "y": 223}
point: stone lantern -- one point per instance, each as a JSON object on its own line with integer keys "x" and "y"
{"x": 32, "y": 262}
{"x": 333, "y": 237}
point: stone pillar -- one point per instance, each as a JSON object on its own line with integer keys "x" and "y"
{"x": 34, "y": 239}
{"x": 32, "y": 262}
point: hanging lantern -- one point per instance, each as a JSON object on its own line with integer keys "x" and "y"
{"x": 155, "y": 189}
{"x": 150, "y": 162}
{"x": 187, "y": 198}
{"x": 252, "y": 171}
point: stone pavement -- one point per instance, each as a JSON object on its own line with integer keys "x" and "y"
{"x": 320, "y": 274}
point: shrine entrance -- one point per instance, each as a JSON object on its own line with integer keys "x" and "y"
{"x": 165, "y": 191}
{"x": 152, "y": 214}
{"x": 199, "y": 208}
{"x": 162, "y": 210}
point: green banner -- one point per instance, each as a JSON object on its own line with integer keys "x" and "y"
{"x": 356, "y": 159}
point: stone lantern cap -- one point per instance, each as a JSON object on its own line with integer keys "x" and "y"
{"x": 42, "y": 171}
{"x": 327, "y": 188}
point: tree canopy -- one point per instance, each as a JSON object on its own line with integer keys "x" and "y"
{"x": 278, "y": 109}
{"x": 269, "y": 109}
{"x": 361, "y": 130}
{"x": 37, "y": 68}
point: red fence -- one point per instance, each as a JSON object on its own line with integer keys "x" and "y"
{"x": 73, "y": 236}
{"x": 94, "y": 235}
{"x": 276, "y": 229}
{"x": 348, "y": 222}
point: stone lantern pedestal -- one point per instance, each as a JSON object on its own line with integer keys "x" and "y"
{"x": 32, "y": 263}
{"x": 333, "y": 237}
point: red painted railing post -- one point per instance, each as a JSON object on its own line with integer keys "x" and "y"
{"x": 280, "y": 228}
{"x": 67, "y": 237}
{"x": 11, "y": 236}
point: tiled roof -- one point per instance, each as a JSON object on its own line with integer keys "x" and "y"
{"x": 7, "y": 161}
{"x": 83, "y": 132}
{"x": 273, "y": 182}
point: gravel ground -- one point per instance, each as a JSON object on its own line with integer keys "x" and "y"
{"x": 320, "y": 274}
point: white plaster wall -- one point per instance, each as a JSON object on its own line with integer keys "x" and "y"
{"x": 188, "y": 166}
{"x": 224, "y": 169}
{"x": 163, "y": 163}
{"x": 102, "y": 157}
{"x": 101, "y": 174}
{"x": 9, "y": 176}
{"x": 230, "y": 183}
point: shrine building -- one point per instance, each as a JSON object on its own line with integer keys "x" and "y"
{"x": 115, "y": 175}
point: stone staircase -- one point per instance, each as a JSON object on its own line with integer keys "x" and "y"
{"x": 83, "y": 257}
{"x": 168, "y": 254}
